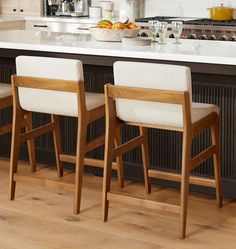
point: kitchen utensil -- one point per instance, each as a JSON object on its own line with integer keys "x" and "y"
{"x": 221, "y": 13}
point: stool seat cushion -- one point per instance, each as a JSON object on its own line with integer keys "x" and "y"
{"x": 65, "y": 104}
{"x": 141, "y": 114}
{"x": 201, "y": 110}
{"x": 5, "y": 90}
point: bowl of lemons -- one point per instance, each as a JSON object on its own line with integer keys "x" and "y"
{"x": 105, "y": 30}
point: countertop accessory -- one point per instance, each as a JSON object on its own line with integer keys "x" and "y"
{"x": 107, "y": 8}
{"x": 153, "y": 29}
{"x": 221, "y": 13}
{"x": 113, "y": 35}
{"x": 177, "y": 28}
{"x": 95, "y": 11}
{"x": 138, "y": 41}
{"x": 162, "y": 31}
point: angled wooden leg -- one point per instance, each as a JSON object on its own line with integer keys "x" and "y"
{"x": 186, "y": 155}
{"x": 119, "y": 161}
{"x": 30, "y": 143}
{"x": 57, "y": 144}
{"x": 15, "y": 147}
{"x": 108, "y": 158}
{"x": 79, "y": 167}
{"x": 145, "y": 157}
{"x": 216, "y": 159}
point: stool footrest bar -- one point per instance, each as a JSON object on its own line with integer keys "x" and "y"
{"x": 201, "y": 181}
{"x": 5, "y": 129}
{"x": 42, "y": 181}
{"x": 143, "y": 203}
{"x": 87, "y": 161}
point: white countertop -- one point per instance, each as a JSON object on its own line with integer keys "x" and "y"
{"x": 85, "y": 20}
{"x": 212, "y": 52}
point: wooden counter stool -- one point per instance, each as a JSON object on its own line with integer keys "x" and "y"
{"x": 56, "y": 86}
{"x": 159, "y": 96}
{"x": 7, "y": 101}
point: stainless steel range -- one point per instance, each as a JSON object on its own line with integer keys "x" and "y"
{"x": 204, "y": 29}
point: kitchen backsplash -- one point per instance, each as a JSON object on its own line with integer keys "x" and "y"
{"x": 184, "y": 8}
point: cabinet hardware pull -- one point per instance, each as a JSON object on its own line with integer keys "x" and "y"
{"x": 14, "y": 9}
{"x": 21, "y": 10}
{"x": 83, "y": 28}
{"x": 40, "y": 26}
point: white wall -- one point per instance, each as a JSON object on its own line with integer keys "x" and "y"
{"x": 185, "y": 8}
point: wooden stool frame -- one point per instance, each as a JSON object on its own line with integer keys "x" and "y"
{"x": 26, "y": 123}
{"x": 85, "y": 117}
{"x": 189, "y": 130}
{"x": 4, "y": 103}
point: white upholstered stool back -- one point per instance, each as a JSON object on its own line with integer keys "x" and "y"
{"x": 47, "y": 101}
{"x": 153, "y": 76}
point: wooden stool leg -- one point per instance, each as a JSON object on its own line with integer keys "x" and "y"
{"x": 79, "y": 167}
{"x": 15, "y": 147}
{"x": 57, "y": 144}
{"x": 216, "y": 159}
{"x": 186, "y": 155}
{"x": 119, "y": 161}
{"x": 30, "y": 143}
{"x": 108, "y": 158}
{"x": 145, "y": 156}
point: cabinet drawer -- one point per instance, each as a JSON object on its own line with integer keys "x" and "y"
{"x": 50, "y": 26}
{"x": 58, "y": 27}
{"x": 75, "y": 27}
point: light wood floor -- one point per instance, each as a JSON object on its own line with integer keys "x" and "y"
{"x": 41, "y": 218}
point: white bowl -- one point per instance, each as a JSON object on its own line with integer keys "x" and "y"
{"x": 113, "y": 35}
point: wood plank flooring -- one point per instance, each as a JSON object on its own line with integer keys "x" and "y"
{"x": 41, "y": 218}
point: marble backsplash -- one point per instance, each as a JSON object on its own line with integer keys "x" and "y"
{"x": 183, "y": 8}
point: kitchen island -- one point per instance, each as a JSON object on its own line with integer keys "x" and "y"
{"x": 213, "y": 65}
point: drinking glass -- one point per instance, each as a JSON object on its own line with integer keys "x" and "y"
{"x": 162, "y": 30}
{"x": 177, "y": 28}
{"x": 153, "y": 29}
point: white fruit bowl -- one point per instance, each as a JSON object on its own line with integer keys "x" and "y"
{"x": 113, "y": 35}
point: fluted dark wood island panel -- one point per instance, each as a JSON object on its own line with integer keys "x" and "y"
{"x": 214, "y": 81}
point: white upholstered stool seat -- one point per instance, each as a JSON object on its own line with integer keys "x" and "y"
{"x": 5, "y": 90}
{"x": 150, "y": 114}
{"x": 201, "y": 110}
{"x": 65, "y": 104}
